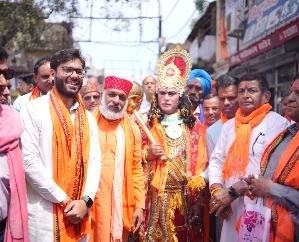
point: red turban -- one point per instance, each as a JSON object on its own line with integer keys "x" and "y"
{"x": 118, "y": 83}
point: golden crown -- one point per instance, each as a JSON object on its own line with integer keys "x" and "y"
{"x": 174, "y": 67}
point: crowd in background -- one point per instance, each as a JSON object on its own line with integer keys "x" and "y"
{"x": 180, "y": 157}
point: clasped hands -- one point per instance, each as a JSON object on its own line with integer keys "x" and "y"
{"x": 221, "y": 200}
{"x": 74, "y": 211}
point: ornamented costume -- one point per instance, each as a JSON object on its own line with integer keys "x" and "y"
{"x": 170, "y": 200}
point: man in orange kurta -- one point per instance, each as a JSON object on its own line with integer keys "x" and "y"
{"x": 120, "y": 200}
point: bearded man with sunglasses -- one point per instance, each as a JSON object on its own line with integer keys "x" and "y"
{"x": 62, "y": 158}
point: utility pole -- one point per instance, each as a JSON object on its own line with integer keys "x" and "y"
{"x": 160, "y": 28}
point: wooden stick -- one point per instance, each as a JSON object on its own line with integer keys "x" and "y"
{"x": 147, "y": 132}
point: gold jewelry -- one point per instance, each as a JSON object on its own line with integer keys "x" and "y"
{"x": 215, "y": 190}
{"x": 174, "y": 67}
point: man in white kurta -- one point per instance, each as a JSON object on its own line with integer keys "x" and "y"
{"x": 43, "y": 80}
{"x": 261, "y": 135}
{"x": 43, "y": 191}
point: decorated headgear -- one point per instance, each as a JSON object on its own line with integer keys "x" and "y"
{"x": 91, "y": 85}
{"x": 173, "y": 69}
{"x": 118, "y": 83}
{"x": 204, "y": 78}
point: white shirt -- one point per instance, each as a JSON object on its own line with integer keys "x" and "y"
{"x": 261, "y": 137}
{"x": 21, "y": 102}
{"x": 37, "y": 148}
{"x": 145, "y": 105}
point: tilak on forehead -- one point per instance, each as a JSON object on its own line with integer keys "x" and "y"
{"x": 173, "y": 70}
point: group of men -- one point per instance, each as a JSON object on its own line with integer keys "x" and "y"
{"x": 102, "y": 176}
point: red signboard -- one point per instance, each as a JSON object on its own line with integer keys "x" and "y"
{"x": 271, "y": 41}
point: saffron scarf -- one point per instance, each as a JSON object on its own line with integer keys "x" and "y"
{"x": 237, "y": 158}
{"x": 70, "y": 151}
{"x": 223, "y": 118}
{"x": 286, "y": 173}
{"x": 133, "y": 192}
{"x": 11, "y": 129}
{"x": 160, "y": 167}
{"x": 202, "y": 153}
{"x": 35, "y": 93}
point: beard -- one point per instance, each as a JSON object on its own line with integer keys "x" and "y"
{"x": 61, "y": 87}
{"x": 111, "y": 115}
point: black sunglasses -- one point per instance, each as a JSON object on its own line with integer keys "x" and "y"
{"x": 7, "y": 73}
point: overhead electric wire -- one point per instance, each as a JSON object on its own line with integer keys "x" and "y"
{"x": 172, "y": 36}
{"x": 171, "y": 11}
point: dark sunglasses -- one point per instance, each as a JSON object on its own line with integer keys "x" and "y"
{"x": 88, "y": 98}
{"x": 7, "y": 73}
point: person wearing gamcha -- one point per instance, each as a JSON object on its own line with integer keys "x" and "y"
{"x": 120, "y": 200}
{"x": 61, "y": 155}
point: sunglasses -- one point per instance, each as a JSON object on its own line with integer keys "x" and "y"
{"x": 88, "y": 98}
{"x": 7, "y": 73}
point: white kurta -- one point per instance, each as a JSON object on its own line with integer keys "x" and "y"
{"x": 37, "y": 148}
{"x": 21, "y": 102}
{"x": 261, "y": 137}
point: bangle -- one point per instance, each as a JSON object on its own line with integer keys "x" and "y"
{"x": 215, "y": 190}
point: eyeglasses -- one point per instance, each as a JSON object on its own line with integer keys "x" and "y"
{"x": 88, "y": 98}
{"x": 7, "y": 73}
{"x": 70, "y": 70}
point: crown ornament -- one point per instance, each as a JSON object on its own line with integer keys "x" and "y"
{"x": 174, "y": 67}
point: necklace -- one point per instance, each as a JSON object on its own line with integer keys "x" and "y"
{"x": 172, "y": 125}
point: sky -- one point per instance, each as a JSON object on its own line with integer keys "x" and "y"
{"x": 119, "y": 52}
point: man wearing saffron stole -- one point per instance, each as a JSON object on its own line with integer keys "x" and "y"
{"x": 198, "y": 86}
{"x": 174, "y": 211}
{"x": 227, "y": 90}
{"x": 279, "y": 179}
{"x": 44, "y": 83}
{"x": 61, "y": 154}
{"x": 120, "y": 199}
{"x": 239, "y": 149}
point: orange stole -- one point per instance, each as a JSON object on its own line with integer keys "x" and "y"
{"x": 70, "y": 151}
{"x": 197, "y": 163}
{"x": 35, "y": 93}
{"x": 238, "y": 154}
{"x": 133, "y": 184}
{"x": 223, "y": 118}
{"x": 286, "y": 173}
{"x": 202, "y": 154}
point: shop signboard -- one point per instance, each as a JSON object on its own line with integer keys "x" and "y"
{"x": 266, "y": 16}
{"x": 269, "y": 42}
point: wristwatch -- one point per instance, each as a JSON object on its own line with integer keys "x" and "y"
{"x": 88, "y": 201}
{"x": 233, "y": 192}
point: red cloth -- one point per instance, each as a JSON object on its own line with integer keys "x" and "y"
{"x": 118, "y": 83}
{"x": 11, "y": 129}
